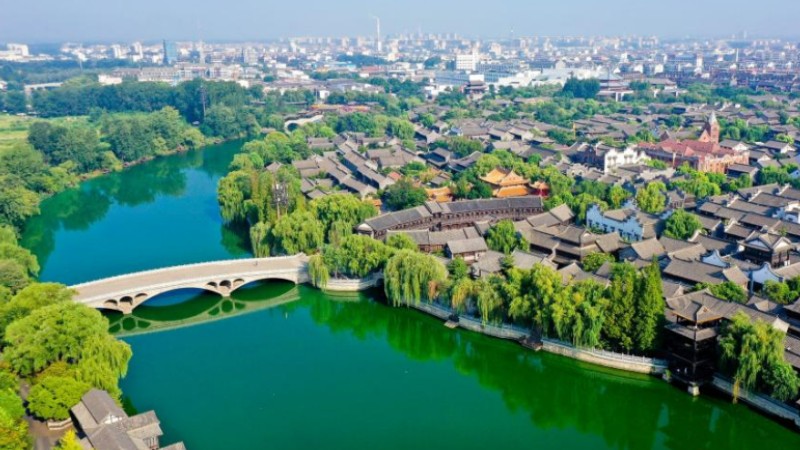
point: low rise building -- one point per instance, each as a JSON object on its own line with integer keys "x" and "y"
{"x": 631, "y": 224}
{"x": 105, "y": 426}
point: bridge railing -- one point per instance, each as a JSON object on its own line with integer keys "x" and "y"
{"x": 185, "y": 266}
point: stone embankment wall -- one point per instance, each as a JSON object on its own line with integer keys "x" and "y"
{"x": 353, "y": 285}
{"x": 758, "y": 401}
{"x": 603, "y": 358}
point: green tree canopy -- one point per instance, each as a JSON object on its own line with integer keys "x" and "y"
{"x": 753, "y": 353}
{"x": 682, "y": 225}
{"x": 401, "y": 241}
{"x": 403, "y": 195}
{"x": 297, "y": 232}
{"x": 594, "y": 261}
{"x": 357, "y": 256}
{"x": 68, "y": 332}
{"x": 69, "y": 441}
{"x": 651, "y": 198}
{"x": 52, "y": 398}
{"x": 410, "y": 277}
{"x": 503, "y": 237}
{"x": 344, "y": 208}
{"x": 31, "y": 298}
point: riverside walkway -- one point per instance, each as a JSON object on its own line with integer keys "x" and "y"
{"x": 125, "y": 292}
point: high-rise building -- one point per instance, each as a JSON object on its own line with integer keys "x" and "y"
{"x": 170, "y": 52}
{"x": 137, "y": 51}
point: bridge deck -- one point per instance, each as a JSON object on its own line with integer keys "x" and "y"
{"x": 181, "y": 274}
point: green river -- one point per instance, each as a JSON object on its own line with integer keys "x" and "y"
{"x": 283, "y": 366}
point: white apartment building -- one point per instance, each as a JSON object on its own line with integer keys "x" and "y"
{"x": 467, "y": 61}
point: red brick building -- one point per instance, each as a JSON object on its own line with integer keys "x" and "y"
{"x": 704, "y": 154}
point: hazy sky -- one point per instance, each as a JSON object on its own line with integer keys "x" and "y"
{"x": 125, "y": 20}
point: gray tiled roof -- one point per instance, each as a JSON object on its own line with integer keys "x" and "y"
{"x": 471, "y": 245}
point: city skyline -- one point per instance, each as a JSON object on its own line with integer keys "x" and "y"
{"x": 45, "y": 21}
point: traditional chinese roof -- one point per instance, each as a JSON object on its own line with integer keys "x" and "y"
{"x": 503, "y": 178}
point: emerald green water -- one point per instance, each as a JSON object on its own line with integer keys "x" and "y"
{"x": 280, "y": 366}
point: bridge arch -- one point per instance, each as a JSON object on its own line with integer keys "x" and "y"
{"x": 126, "y": 292}
{"x": 293, "y": 124}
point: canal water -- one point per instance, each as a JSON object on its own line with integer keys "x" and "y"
{"x": 288, "y": 367}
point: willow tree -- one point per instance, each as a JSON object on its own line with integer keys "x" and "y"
{"x": 67, "y": 332}
{"x": 231, "y": 193}
{"x": 411, "y": 277}
{"x": 461, "y": 292}
{"x": 503, "y": 237}
{"x": 401, "y": 241}
{"x": 297, "y": 232}
{"x": 343, "y": 208}
{"x": 260, "y": 239}
{"x": 545, "y": 284}
{"x": 753, "y": 353}
{"x": 357, "y": 256}
{"x": 318, "y": 271}
{"x": 31, "y": 298}
{"x": 577, "y": 313}
{"x": 489, "y": 300}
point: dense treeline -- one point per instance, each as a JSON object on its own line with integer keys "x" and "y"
{"x": 60, "y": 348}
{"x": 627, "y": 315}
{"x": 126, "y": 123}
{"x": 221, "y": 104}
{"x": 59, "y": 152}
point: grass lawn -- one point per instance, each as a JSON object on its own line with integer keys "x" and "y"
{"x": 14, "y": 129}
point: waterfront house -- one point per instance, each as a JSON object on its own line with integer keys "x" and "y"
{"x": 103, "y": 425}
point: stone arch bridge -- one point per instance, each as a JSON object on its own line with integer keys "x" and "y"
{"x": 293, "y": 124}
{"x": 125, "y": 292}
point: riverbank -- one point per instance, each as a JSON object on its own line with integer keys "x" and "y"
{"x": 629, "y": 363}
{"x": 619, "y": 361}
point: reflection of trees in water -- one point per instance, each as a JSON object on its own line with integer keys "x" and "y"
{"x": 629, "y": 412}
{"x": 235, "y": 239}
{"x": 217, "y": 158}
{"x": 142, "y": 184}
{"x": 202, "y": 307}
{"x": 79, "y": 208}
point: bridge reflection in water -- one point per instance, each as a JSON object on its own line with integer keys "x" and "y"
{"x": 195, "y": 307}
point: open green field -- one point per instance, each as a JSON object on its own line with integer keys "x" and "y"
{"x": 14, "y": 129}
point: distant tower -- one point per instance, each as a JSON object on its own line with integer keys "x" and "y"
{"x": 710, "y": 129}
{"x": 378, "y": 43}
{"x": 170, "y": 52}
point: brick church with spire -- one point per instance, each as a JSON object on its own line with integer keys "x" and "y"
{"x": 703, "y": 154}
{"x": 710, "y": 130}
